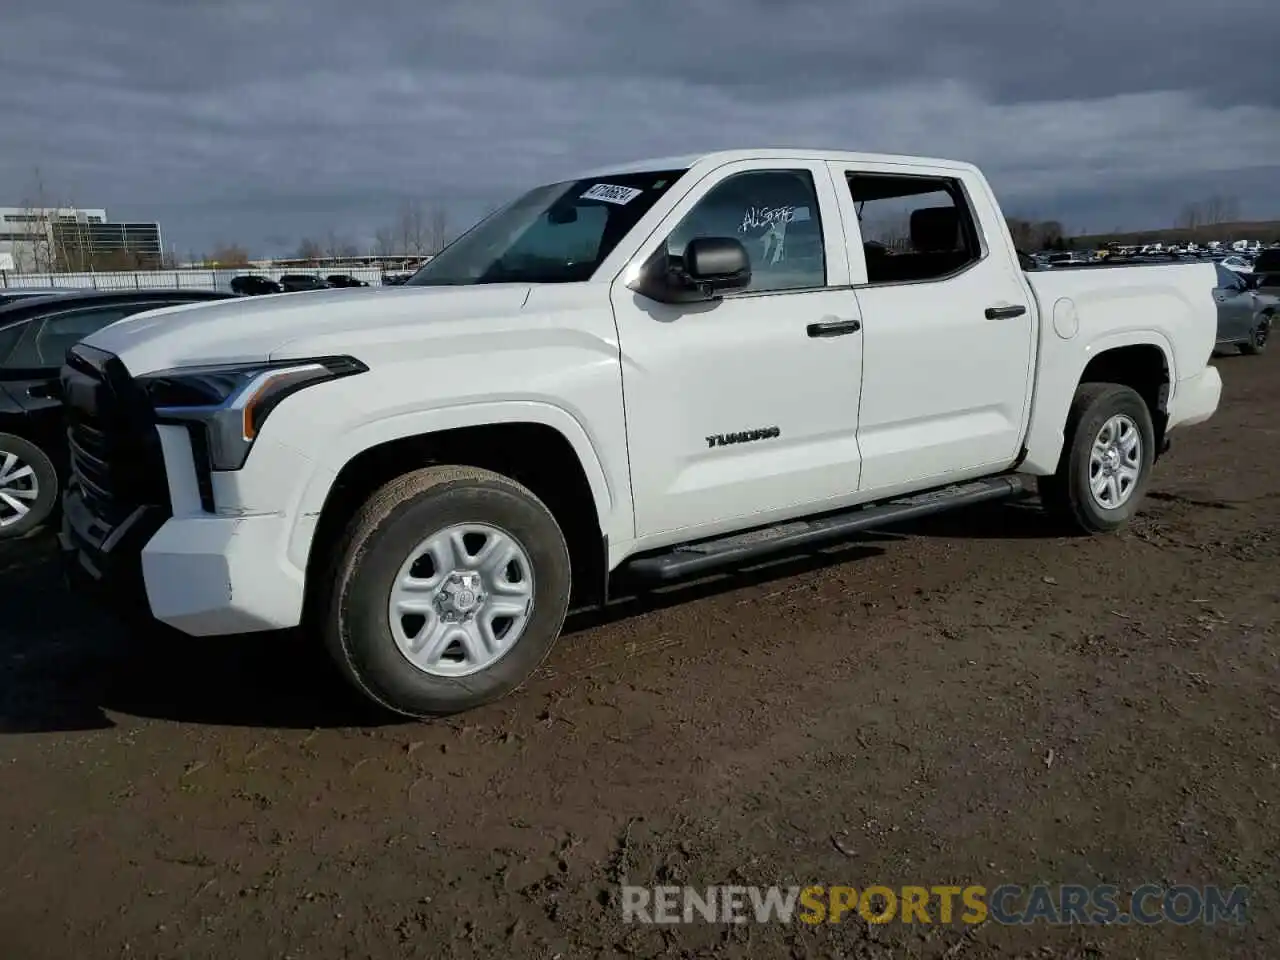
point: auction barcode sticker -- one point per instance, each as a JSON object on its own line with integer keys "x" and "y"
{"x": 611, "y": 193}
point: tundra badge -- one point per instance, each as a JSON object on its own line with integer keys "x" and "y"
{"x": 743, "y": 436}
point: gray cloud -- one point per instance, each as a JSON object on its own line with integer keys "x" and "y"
{"x": 257, "y": 122}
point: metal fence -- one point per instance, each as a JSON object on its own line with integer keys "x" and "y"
{"x": 172, "y": 279}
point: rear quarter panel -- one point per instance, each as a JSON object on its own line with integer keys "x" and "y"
{"x": 1089, "y": 311}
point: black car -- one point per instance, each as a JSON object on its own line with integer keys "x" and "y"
{"x": 35, "y": 334}
{"x": 345, "y": 280}
{"x": 252, "y": 285}
{"x": 14, "y": 294}
{"x": 293, "y": 282}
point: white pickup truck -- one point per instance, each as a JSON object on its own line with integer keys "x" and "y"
{"x": 658, "y": 370}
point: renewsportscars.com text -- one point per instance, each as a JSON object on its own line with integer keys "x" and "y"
{"x": 973, "y": 904}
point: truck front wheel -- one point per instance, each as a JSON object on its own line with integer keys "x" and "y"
{"x": 448, "y": 589}
{"x": 1106, "y": 460}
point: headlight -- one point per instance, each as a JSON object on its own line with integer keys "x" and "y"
{"x": 231, "y": 402}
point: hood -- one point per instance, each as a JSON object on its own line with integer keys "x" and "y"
{"x": 254, "y": 329}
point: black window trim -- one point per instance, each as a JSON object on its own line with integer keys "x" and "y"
{"x": 959, "y": 196}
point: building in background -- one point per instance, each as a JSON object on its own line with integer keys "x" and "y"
{"x": 47, "y": 240}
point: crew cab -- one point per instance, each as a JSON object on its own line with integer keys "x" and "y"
{"x": 640, "y": 374}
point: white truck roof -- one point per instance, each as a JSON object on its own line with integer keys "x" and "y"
{"x": 719, "y": 157}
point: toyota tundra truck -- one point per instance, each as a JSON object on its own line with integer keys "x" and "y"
{"x": 643, "y": 374}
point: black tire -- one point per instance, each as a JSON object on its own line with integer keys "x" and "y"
{"x": 381, "y": 537}
{"x": 1258, "y": 336}
{"x": 42, "y": 479}
{"x": 1067, "y": 493}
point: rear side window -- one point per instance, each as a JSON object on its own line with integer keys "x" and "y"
{"x": 8, "y": 339}
{"x": 59, "y": 333}
{"x": 49, "y": 339}
{"x": 914, "y": 229}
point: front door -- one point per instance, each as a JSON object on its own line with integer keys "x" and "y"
{"x": 745, "y": 407}
{"x": 949, "y": 328}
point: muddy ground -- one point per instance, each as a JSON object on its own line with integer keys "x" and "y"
{"x": 972, "y": 700}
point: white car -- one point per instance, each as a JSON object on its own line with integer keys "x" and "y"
{"x": 1238, "y": 264}
{"x": 655, "y": 371}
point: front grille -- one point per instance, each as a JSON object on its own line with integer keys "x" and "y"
{"x": 91, "y": 467}
{"x": 116, "y": 463}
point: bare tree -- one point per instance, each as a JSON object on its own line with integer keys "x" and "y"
{"x": 894, "y": 231}
{"x": 337, "y": 247}
{"x": 229, "y": 255}
{"x": 1209, "y": 212}
{"x": 1220, "y": 209}
{"x": 309, "y": 250}
{"x": 38, "y": 253}
{"x": 1033, "y": 235}
{"x": 384, "y": 242}
{"x": 1190, "y": 217}
{"x": 411, "y": 229}
{"x": 438, "y": 230}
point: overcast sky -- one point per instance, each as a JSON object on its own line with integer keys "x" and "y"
{"x": 263, "y": 121}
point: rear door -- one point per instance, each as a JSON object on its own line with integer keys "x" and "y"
{"x": 949, "y": 327}
{"x": 1235, "y": 306}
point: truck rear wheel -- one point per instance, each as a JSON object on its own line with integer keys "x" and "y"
{"x": 448, "y": 589}
{"x": 1106, "y": 460}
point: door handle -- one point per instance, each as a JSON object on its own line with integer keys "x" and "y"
{"x": 1005, "y": 313}
{"x": 833, "y": 328}
{"x": 41, "y": 391}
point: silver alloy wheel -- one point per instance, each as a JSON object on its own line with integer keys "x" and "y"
{"x": 19, "y": 488}
{"x": 1115, "y": 462}
{"x": 1262, "y": 332}
{"x": 461, "y": 600}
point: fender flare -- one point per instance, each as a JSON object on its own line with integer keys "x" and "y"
{"x": 1046, "y": 434}
{"x": 1144, "y": 337}
{"x": 421, "y": 422}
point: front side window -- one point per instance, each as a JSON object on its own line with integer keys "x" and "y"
{"x": 1229, "y": 279}
{"x": 775, "y": 215}
{"x": 558, "y": 233}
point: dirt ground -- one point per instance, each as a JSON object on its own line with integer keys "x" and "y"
{"x": 972, "y": 700}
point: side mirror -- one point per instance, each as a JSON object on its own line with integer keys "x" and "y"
{"x": 720, "y": 263}
{"x": 710, "y": 265}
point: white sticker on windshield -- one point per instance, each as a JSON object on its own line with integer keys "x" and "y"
{"x": 611, "y": 193}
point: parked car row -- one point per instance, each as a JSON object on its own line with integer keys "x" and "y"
{"x": 253, "y": 284}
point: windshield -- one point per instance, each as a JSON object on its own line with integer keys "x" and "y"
{"x": 558, "y": 233}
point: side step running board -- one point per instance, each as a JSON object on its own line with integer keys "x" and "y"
{"x": 711, "y": 555}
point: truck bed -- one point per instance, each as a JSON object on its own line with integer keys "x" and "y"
{"x": 1176, "y": 298}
